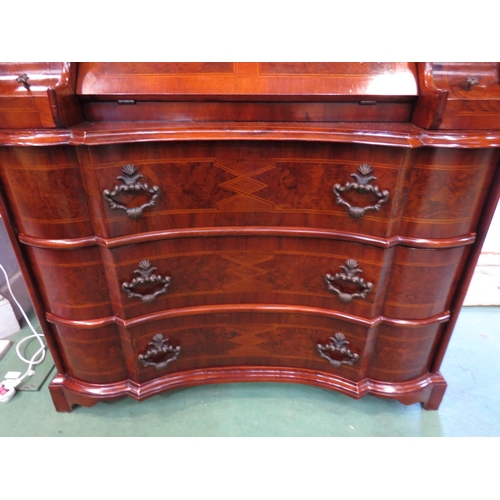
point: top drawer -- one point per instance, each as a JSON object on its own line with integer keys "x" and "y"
{"x": 73, "y": 192}
{"x": 367, "y": 190}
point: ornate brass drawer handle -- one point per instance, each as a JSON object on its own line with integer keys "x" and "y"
{"x": 338, "y": 345}
{"x": 362, "y": 186}
{"x": 160, "y": 353}
{"x": 131, "y": 185}
{"x": 146, "y": 275}
{"x": 349, "y": 275}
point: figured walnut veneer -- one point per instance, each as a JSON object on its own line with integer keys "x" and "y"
{"x": 190, "y": 223}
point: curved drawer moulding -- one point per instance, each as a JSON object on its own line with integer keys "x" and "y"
{"x": 74, "y": 243}
{"x": 399, "y": 135}
{"x": 236, "y": 308}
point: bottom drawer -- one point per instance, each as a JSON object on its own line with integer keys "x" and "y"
{"x": 246, "y": 339}
{"x": 200, "y": 338}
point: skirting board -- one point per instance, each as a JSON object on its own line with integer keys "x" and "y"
{"x": 4, "y": 347}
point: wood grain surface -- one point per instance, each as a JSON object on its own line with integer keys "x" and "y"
{"x": 190, "y": 223}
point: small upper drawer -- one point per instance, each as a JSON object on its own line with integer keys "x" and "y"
{"x": 37, "y": 95}
{"x": 458, "y": 96}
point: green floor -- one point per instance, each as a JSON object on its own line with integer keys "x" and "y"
{"x": 471, "y": 406}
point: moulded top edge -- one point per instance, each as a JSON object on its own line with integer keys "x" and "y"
{"x": 399, "y": 135}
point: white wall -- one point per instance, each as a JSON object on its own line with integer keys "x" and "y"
{"x": 485, "y": 285}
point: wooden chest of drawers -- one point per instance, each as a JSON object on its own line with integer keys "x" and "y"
{"x": 220, "y": 222}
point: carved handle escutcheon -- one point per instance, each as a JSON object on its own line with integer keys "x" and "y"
{"x": 362, "y": 186}
{"x": 349, "y": 275}
{"x": 337, "y": 346}
{"x": 131, "y": 185}
{"x": 160, "y": 353}
{"x": 146, "y": 275}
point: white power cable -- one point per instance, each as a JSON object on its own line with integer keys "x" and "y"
{"x": 33, "y": 361}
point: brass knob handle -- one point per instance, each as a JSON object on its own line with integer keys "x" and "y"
{"x": 131, "y": 185}
{"x": 469, "y": 82}
{"x": 362, "y": 186}
{"x": 23, "y": 78}
{"x": 146, "y": 275}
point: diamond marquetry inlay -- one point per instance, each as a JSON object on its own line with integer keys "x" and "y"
{"x": 245, "y": 200}
{"x": 245, "y": 268}
{"x": 248, "y": 339}
{"x": 244, "y": 185}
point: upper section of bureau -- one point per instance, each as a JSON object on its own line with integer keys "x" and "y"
{"x": 451, "y": 96}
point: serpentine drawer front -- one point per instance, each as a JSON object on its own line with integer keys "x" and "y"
{"x": 250, "y": 337}
{"x": 192, "y": 223}
{"x": 353, "y": 278}
{"x": 412, "y": 193}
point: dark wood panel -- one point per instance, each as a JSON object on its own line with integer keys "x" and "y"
{"x": 44, "y": 187}
{"x": 209, "y": 271}
{"x": 38, "y": 95}
{"x": 241, "y": 112}
{"x": 422, "y": 282}
{"x": 94, "y": 356}
{"x": 402, "y": 354}
{"x": 283, "y": 184}
{"x": 72, "y": 283}
{"x": 447, "y": 190}
{"x": 25, "y": 112}
{"x": 29, "y": 278}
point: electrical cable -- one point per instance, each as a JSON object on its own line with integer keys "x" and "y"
{"x": 42, "y": 351}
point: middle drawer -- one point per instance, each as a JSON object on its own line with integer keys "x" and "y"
{"x": 353, "y": 278}
{"x": 187, "y": 272}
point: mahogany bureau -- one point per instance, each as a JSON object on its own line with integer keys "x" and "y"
{"x": 193, "y": 223}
